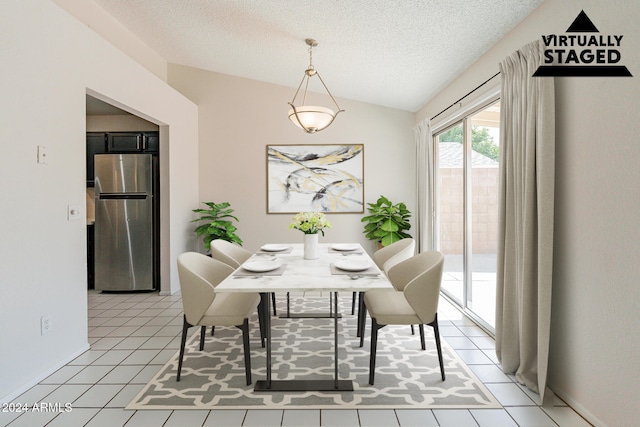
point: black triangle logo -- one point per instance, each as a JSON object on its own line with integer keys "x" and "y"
{"x": 582, "y": 24}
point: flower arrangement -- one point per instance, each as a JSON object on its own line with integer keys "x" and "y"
{"x": 310, "y": 222}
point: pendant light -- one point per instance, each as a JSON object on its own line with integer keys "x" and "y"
{"x": 311, "y": 118}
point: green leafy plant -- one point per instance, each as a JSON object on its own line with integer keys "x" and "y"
{"x": 387, "y": 222}
{"x": 216, "y": 224}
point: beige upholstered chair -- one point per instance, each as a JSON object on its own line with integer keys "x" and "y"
{"x": 414, "y": 301}
{"x": 385, "y": 258}
{"x": 199, "y": 275}
{"x": 229, "y": 253}
{"x": 389, "y": 256}
{"x": 234, "y": 256}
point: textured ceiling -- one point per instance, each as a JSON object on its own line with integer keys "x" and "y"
{"x": 395, "y": 53}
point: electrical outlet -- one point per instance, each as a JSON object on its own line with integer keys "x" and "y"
{"x": 45, "y": 325}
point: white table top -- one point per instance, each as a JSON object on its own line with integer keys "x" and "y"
{"x": 305, "y": 275}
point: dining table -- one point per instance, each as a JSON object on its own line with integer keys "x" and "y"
{"x": 343, "y": 267}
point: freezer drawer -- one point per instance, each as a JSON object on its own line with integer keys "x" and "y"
{"x": 124, "y": 244}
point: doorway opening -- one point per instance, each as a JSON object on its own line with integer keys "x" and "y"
{"x": 112, "y": 131}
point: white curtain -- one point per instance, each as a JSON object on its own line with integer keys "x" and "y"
{"x": 426, "y": 176}
{"x": 525, "y": 245}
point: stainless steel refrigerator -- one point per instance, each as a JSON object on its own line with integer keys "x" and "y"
{"x": 124, "y": 227}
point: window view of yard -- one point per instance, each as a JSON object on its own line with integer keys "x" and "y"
{"x": 468, "y": 215}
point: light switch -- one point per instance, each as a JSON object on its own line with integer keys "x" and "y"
{"x": 74, "y": 212}
{"x": 42, "y": 155}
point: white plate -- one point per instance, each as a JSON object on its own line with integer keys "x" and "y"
{"x": 353, "y": 265}
{"x": 261, "y": 266}
{"x": 274, "y": 248}
{"x": 344, "y": 247}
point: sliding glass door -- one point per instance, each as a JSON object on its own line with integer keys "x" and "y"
{"x": 467, "y": 211}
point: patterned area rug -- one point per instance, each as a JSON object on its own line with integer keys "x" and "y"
{"x": 406, "y": 376}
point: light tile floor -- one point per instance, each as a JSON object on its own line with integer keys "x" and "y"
{"x": 133, "y": 335}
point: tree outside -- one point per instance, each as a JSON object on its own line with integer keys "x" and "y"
{"x": 481, "y": 140}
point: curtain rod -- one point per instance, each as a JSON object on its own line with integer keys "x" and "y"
{"x": 469, "y": 93}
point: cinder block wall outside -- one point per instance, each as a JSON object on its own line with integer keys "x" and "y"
{"x": 484, "y": 207}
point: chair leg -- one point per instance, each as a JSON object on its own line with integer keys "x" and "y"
{"x": 353, "y": 304}
{"x": 413, "y": 330}
{"x": 247, "y": 351}
{"x": 421, "y": 328}
{"x": 374, "y": 345}
{"x": 273, "y": 302}
{"x": 213, "y": 328}
{"x": 362, "y": 319}
{"x": 288, "y": 306}
{"x": 203, "y": 331}
{"x": 436, "y": 332}
{"x": 183, "y": 341}
{"x": 261, "y": 315}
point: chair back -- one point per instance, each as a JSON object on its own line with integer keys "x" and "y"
{"x": 229, "y": 253}
{"x": 407, "y": 251}
{"x": 199, "y": 275}
{"x": 420, "y": 278}
{"x": 391, "y": 255}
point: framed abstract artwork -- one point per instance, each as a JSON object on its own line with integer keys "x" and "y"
{"x": 318, "y": 178}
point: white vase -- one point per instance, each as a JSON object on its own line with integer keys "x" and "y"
{"x": 311, "y": 250}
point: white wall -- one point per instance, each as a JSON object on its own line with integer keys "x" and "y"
{"x": 596, "y": 297}
{"x": 239, "y": 117}
{"x": 110, "y": 29}
{"x": 119, "y": 123}
{"x": 50, "y": 61}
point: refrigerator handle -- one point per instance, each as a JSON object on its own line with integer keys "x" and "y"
{"x": 120, "y": 196}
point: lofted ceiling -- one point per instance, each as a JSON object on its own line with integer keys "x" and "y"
{"x": 394, "y": 53}
{"x": 95, "y": 107}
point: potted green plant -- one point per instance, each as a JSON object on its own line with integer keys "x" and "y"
{"x": 387, "y": 222}
{"x": 216, "y": 223}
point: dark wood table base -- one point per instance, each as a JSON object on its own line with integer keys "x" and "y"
{"x": 304, "y": 385}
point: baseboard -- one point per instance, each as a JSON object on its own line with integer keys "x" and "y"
{"x": 168, "y": 292}
{"x": 34, "y": 381}
{"x": 576, "y": 406}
